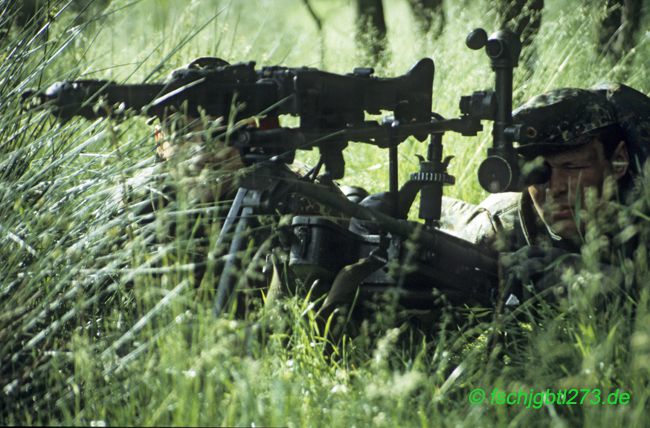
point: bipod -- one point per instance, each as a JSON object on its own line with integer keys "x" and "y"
{"x": 263, "y": 191}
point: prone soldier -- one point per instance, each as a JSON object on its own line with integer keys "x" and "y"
{"x": 592, "y": 141}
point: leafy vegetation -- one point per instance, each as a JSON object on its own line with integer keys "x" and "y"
{"x": 104, "y": 323}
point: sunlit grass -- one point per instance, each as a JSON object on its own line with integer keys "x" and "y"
{"x": 103, "y": 321}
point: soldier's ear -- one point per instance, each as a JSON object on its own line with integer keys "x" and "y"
{"x": 620, "y": 160}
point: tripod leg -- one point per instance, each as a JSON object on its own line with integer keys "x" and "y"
{"x": 233, "y": 214}
{"x": 229, "y": 277}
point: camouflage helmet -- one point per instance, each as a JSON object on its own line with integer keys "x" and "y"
{"x": 633, "y": 115}
{"x": 561, "y": 118}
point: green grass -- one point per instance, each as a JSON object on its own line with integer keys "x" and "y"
{"x": 102, "y": 321}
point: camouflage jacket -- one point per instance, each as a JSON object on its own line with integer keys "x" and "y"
{"x": 503, "y": 221}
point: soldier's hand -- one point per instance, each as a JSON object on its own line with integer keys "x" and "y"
{"x": 532, "y": 270}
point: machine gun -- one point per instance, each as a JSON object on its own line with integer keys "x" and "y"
{"x": 324, "y": 102}
{"x": 332, "y": 111}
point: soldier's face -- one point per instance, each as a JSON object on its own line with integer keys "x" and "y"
{"x": 189, "y": 137}
{"x": 572, "y": 174}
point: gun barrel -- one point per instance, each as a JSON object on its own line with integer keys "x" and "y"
{"x": 81, "y": 97}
